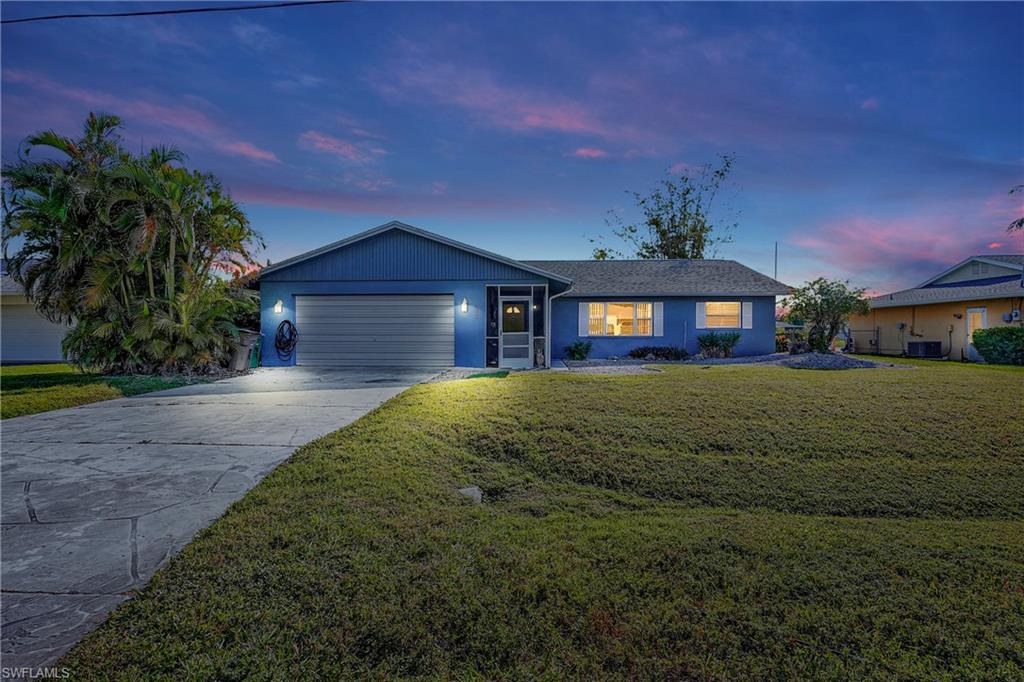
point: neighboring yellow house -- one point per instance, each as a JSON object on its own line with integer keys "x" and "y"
{"x": 937, "y": 318}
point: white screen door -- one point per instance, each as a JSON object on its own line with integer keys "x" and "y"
{"x": 516, "y": 351}
{"x": 977, "y": 318}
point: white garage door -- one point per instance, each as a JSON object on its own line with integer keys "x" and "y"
{"x": 384, "y": 331}
{"x": 27, "y": 336}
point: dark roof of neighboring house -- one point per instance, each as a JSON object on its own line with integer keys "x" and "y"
{"x": 977, "y": 289}
{"x": 662, "y": 278}
{"x": 950, "y": 294}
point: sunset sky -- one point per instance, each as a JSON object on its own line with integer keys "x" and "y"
{"x": 874, "y": 142}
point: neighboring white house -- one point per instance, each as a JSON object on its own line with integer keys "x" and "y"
{"x": 25, "y": 335}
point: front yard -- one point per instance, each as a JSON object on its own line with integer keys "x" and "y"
{"x": 731, "y": 522}
{"x": 29, "y": 389}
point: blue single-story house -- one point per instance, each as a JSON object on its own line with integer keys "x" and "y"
{"x": 397, "y": 295}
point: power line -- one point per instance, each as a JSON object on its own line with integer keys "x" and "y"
{"x": 189, "y": 10}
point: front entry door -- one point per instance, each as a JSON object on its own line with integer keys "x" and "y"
{"x": 516, "y": 347}
{"x": 977, "y": 318}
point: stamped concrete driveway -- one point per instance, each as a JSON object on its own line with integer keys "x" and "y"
{"x": 96, "y": 498}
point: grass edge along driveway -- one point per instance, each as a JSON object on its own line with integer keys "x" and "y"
{"x": 722, "y": 523}
{"x": 31, "y": 389}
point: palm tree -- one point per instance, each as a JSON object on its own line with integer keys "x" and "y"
{"x": 53, "y": 207}
{"x": 134, "y": 250}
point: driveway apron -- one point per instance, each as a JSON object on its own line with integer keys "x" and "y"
{"x": 96, "y": 498}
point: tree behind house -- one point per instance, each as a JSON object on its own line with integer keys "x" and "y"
{"x": 825, "y": 306}
{"x": 677, "y": 219}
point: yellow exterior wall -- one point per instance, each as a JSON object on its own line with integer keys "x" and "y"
{"x": 927, "y": 323}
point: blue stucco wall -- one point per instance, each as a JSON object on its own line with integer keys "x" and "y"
{"x": 679, "y": 327}
{"x": 393, "y": 262}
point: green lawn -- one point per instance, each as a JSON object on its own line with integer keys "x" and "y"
{"x": 28, "y": 389}
{"x": 730, "y": 522}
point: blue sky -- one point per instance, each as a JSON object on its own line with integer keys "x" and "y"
{"x": 875, "y": 142}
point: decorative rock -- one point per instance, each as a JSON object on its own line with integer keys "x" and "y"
{"x": 473, "y": 493}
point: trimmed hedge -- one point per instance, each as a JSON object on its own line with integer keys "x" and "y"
{"x": 1000, "y": 345}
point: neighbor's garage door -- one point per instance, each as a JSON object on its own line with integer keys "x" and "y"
{"x": 27, "y": 336}
{"x": 366, "y": 331}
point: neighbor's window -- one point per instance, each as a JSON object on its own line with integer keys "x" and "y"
{"x": 620, "y": 319}
{"x": 723, "y": 314}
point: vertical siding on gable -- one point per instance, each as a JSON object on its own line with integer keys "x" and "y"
{"x": 966, "y": 273}
{"x": 399, "y": 255}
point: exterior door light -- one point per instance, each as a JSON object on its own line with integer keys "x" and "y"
{"x": 279, "y": 307}
{"x": 464, "y": 306}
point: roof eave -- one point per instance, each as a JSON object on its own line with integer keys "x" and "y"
{"x": 685, "y": 294}
{"x": 954, "y": 299}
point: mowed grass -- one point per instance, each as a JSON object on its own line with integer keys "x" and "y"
{"x": 29, "y": 389}
{"x": 732, "y": 522}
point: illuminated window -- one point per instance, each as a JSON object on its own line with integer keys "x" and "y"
{"x": 595, "y": 325}
{"x": 722, "y": 314}
{"x": 620, "y": 319}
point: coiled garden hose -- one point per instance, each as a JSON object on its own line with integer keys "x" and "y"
{"x": 285, "y": 340}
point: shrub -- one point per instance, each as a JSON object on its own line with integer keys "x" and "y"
{"x": 781, "y": 342}
{"x": 1000, "y": 345}
{"x": 718, "y": 344}
{"x": 578, "y": 350}
{"x": 659, "y": 352}
{"x": 826, "y": 305}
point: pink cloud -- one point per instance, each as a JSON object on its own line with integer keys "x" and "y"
{"x": 145, "y": 113}
{"x": 898, "y": 252}
{"x": 590, "y": 153}
{"x": 249, "y": 151}
{"x": 368, "y": 182}
{"x": 328, "y": 144}
{"x": 870, "y": 104}
{"x": 374, "y": 203}
{"x": 503, "y": 106}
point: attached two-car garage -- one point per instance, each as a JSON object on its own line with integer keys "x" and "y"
{"x": 364, "y": 331}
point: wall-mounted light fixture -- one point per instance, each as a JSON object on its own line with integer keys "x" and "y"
{"x": 464, "y": 306}
{"x": 279, "y": 307}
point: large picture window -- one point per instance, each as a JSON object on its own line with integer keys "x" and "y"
{"x": 723, "y": 314}
{"x": 620, "y": 319}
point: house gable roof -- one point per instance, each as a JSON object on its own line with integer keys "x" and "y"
{"x": 662, "y": 278}
{"x": 396, "y": 225}
{"x": 1013, "y": 262}
{"x": 978, "y": 288}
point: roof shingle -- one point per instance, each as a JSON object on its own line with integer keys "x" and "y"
{"x": 661, "y": 278}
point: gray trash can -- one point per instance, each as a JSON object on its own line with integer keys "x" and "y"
{"x": 240, "y": 352}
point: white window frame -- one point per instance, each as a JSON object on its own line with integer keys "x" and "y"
{"x": 739, "y": 315}
{"x": 604, "y": 319}
{"x": 746, "y": 316}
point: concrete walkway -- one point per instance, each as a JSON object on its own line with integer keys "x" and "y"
{"x": 96, "y": 498}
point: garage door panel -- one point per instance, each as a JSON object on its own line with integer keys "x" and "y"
{"x": 28, "y": 336}
{"x": 354, "y": 331}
